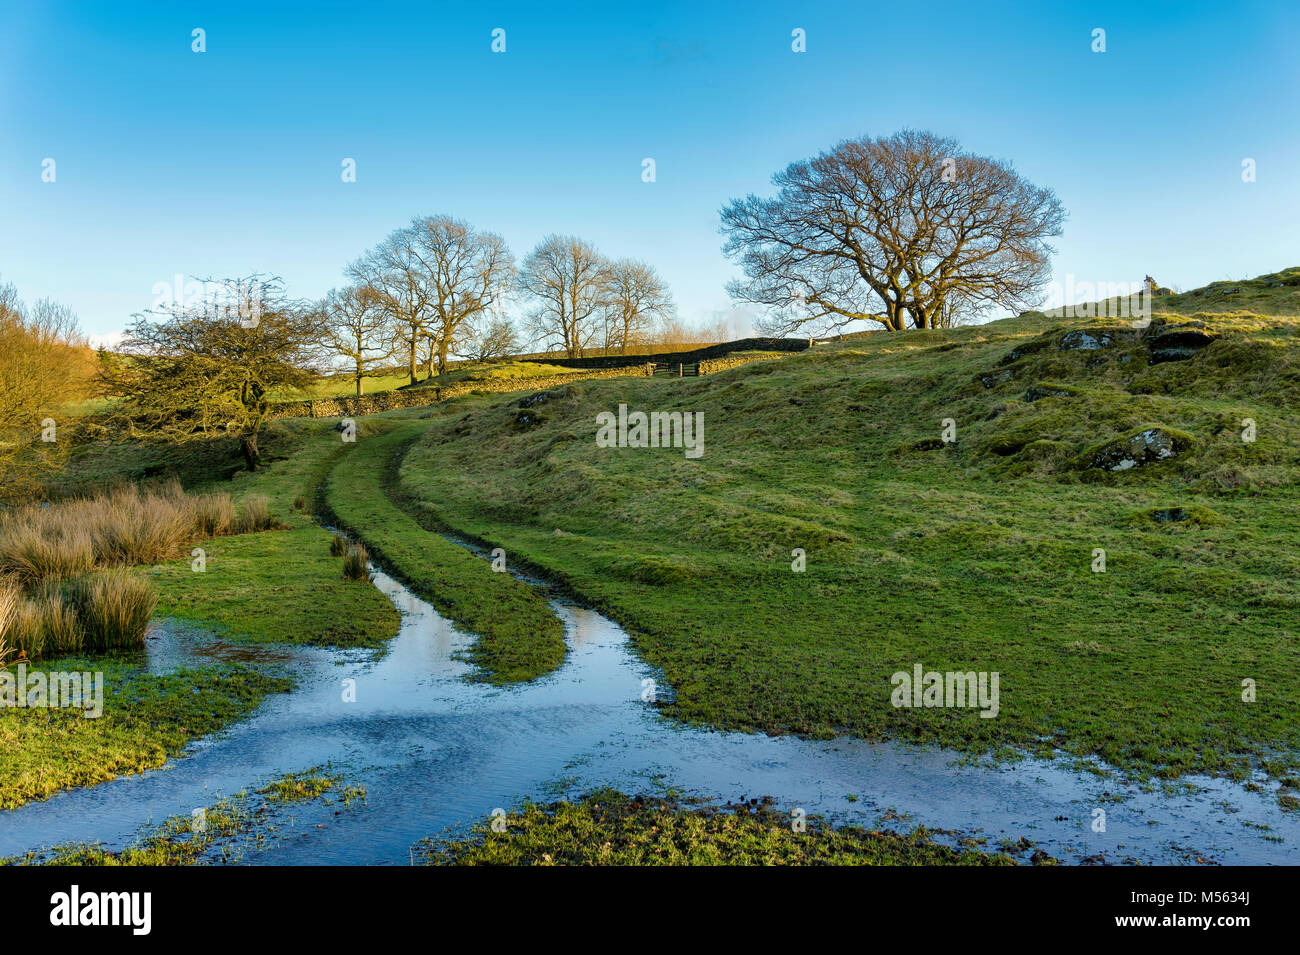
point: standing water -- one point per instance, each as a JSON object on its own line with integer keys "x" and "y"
{"x": 436, "y": 753}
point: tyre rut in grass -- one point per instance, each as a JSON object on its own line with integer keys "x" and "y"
{"x": 519, "y": 636}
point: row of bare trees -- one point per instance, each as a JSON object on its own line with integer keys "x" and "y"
{"x": 902, "y": 231}
{"x": 438, "y": 288}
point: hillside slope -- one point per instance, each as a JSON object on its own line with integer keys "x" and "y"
{"x": 976, "y": 554}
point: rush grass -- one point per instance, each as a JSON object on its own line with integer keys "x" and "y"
{"x": 64, "y": 582}
{"x": 610, "y": 828}
{"x": 519, "y": 637}
{"x": 975, "y": 555}
{"x": 147, "y": 719}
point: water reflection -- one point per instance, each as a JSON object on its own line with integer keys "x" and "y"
{"x": 436, "y": 752}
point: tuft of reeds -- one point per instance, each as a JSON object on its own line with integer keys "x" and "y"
{"x": 254, "y": 515}
{"x": 338, "y": 545}
{"x": 11, "y": 596}
{"x": 121, "y": 527}
{"x": 214, "y": 514}
{"x": 45, "y": 624}
{"x": 64, "y": 582}
{"x": 33, "y": 550}
{"x": 355, "y": 563}
{"x": 113, "y": 608}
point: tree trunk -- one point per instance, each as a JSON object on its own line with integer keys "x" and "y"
{"x": 894, "y": 312}
{"x": 358, "y": 384}
{"x": 248, "y": 445}
{"x": 415, "y": 340}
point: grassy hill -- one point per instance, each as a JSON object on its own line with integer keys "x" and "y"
{"x": 975, "y": 554}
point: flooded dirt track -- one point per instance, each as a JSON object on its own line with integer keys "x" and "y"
{"x": 437, "y": 753}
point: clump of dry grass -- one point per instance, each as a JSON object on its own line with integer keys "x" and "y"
{"x": 44, "y": 624}
{"x": 355, "y": 563}
{"x": 254, "y": 515}
{"x": 338, "y": 545}
{"x": 64, "y": 583}
{"x": 118, "y": 528}
{"x": 113, "y": 608}
{"x": 34, "y": 549}
{"x": 215, "y": 514}
{"x": 104, "y": 611}
{"x": 11, "y": 596}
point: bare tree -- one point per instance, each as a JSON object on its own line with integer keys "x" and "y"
{"x": 432, "y": 277}
{"x": 565, "y": 276}
{"x": 356, "y": 329}
{"x": 395, "y": 271}
{"x": 493, "y": 337}
{"x": 634, "y": 297}
{"x": 887, "y": 230}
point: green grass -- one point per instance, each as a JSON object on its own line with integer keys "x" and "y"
{"x": 519, "y": 637}
{"x": 1277, "y": 293}
{"x": 146, "y": 720}
{"x": 308, "y": 785}
{"x": 974, "y": 555}
{"x": 282, "y": 586}
{"x": 343, "y": 386}
{"x": 609, "y": 828}
{"x": 276, "y": 587}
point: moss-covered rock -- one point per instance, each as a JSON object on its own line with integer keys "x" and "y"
{"x": 1146, "y": 447}
{"x": 1192, "y": 514}
{"x": 1179, "y": 342}
{"x": 1086, "y": 339}
{"x": 1049, "y": 389}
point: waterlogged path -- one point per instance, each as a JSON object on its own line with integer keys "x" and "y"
{"x": 436, "y": 753}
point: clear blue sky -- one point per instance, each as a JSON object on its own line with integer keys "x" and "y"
{"x": 228, "y": 162}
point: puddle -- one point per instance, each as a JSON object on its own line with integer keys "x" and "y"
{"x": 436, "y": 753}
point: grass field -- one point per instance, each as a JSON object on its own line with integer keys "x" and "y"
{"x": 278, "y": 587}
{"x": 975, "y": 555}
{"x": 610, "y": 828}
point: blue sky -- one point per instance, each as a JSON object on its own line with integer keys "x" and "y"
{"x": 228, "y": 162}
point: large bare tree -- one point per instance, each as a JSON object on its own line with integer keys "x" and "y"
{"x": 356, "y": 329}
{"x": 565, "y": 277}
{"x": 433, "y": 277}
{"x": 634, "y": 298}
{"x": 904, "y": 230}
{"x": 395, "y": 271}
{"x": 472, "y": 272}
